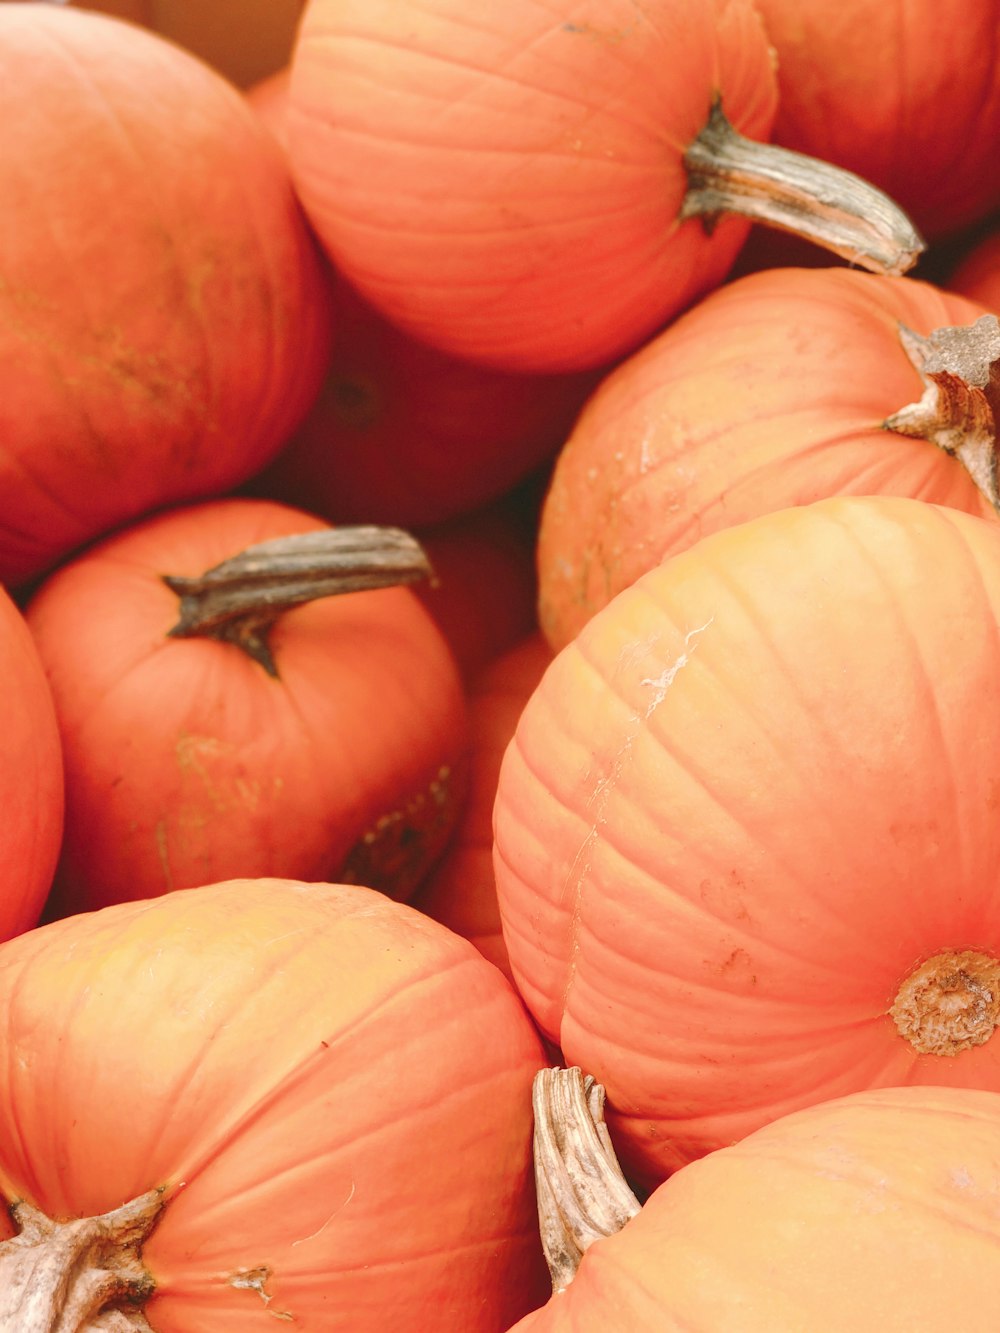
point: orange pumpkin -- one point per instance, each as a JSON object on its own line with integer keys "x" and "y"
{"x": 874, "y": 1212}
{"x": 542, "y": 189}
{"x": 907, "y": 96}
{"x": 404, "y": 433}
{"x": 747, "y": 843}
{"x": 977, "y": 275}
{"x": 778, "y": 389}
{"x": 243, "y": 1070}
{"x": 483, "y": 591}
{"x": 30, "y": 774}
{"x": 334, "y": 749}
{"x": 269, "y": 98}
{"x": 461, "y": 890}
{"x": 165, "y": 321}
{"x": 246, "y": 40}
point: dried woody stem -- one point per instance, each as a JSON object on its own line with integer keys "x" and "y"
{"x": 833, "y": 208}
{"x": 81, "y": 1276}
{"x": 239, "y": 600}
{"x": 582, "y": 1194}
{"x": 960, "y": 368}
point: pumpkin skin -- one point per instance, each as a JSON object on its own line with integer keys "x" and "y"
{"x": 771, "y": 392}
{"x": 31, "y": 776}
{"x": 744, "y": 804}
{"x": 187, "y": 763}
{"x": 905, "y": 95}
{"x": 404, "y": 433}
{"x": 246, "y": 40}
{"x": 486, "y": 232}
{"x": 484, "y": 590}
{"x": 266, "y": 1051}
{"x": 874, "y": 1212}
{"x": 977, "y": 276}
{"x": 169, "y": 356}
{"x": 461, "y": 890}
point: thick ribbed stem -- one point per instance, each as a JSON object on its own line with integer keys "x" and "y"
{"x": 960, "y": 368}
{"x": 833, "y": 208}
{"x": 81, "y": 1276}
{"x": 582, "y": 1194}
{"x": 239, "y": 600}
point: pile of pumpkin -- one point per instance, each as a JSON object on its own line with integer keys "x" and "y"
{"x": 501, "y": 724}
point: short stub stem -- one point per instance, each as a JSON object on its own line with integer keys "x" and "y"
{"x": 950, "y": 1003}
{"x": 582, "y": 1194}
{"x": 960, "y": 370}
{"x": 833, "y": 208}
{"x": 81, "y": 1276}
{"x": 240, "y": 599}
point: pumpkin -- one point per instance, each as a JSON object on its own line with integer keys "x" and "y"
{"x": 403, "y": 433}
{"x": 264, "y": 735}
{"x": 269, "y": 98}
{"x": 778, "y": 389}
{"x": 747, "y": 842}
{"x": 977, "y": 274}
{"x": 907, "y": 96}
{"x": 246, "y": 40}
{"x": 543, "y": 189}
{"x": 167, "y": 356}
{"x": 460, "y": 891}
{"x": 875, "y": 1212}
{"x": 483, "y": 591}
{"x": 233, "y": 1078}
{"x": 31, "y": 777}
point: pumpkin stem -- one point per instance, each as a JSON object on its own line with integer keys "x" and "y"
{"x": 960, "y": 368}
{"x": 950, "y": 1003}
{"x": 833, "y": 208}
{"x": 239, "y": 600}
{"x": 582, "y": 1194}
{"x": 76, "y": 1276}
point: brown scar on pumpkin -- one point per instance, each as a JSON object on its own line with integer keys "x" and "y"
{"x": 395, "y": 853}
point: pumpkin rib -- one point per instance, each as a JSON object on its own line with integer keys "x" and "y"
{"x": 303, "y": 1065}
{"x": 495, "y": 74}
{"x": 891, "y": 604}
{"x": 688, "y": 763}
{"x": 274, "y": 966}
{"x": 166, "y": 234}
{"x": 909, "y": 634}
{"x": 333, "y": 1150}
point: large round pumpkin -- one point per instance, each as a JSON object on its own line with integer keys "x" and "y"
{"x": 247, "y": 1068}
{"x": 747, "y": 835}
{"x": 777, "y": 389}
{"x": 331, "y": 746}
{"x": 874, "y": 1212}
{"x": 542, "y": 187}
{"x": 164, "y": 318}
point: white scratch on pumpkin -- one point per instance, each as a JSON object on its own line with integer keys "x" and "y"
{"x": 336, "y": 1210}
{"x": 665, "y": 679}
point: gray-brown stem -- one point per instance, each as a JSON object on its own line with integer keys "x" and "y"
{"x": 833, "y": 208}
{"x": 80, "y": 1276}
{"x": 582, "y": 1194}
{"x": 960, "y": 368}
{"x": 239, "y": 600}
